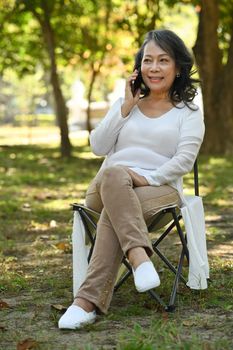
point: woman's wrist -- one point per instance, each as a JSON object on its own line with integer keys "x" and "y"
{"x": 126, "y": 109}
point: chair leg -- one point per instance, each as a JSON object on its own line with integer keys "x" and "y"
{"x": 126, "y": 275}
{"x": 168, "y": 263}
{"x": 164, "y": 234}
{"x": 85, "y": 218}
{"x": 187, "y": 255}
{"x": 122, "y": 280}
{"x": 171, "y": 305}
{"x": 90, "y": 252}
{"x": 159, "y": 300}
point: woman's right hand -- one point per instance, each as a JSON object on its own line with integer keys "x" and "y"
{"x": 130, "y": 100}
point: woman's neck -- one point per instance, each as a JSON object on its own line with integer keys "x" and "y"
{"x": 158, "y": 98}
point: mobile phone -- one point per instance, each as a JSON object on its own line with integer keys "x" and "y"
{"x": 136, "y": 84}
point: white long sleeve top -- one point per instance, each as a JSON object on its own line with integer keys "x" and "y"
{"x": 162, "y": 149}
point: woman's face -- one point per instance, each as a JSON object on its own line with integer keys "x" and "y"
{"x": 158, "y": 68}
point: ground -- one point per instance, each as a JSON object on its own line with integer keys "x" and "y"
{"x": 37, "y": 188}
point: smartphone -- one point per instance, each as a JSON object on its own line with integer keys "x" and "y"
{"x": 136, "y": 84}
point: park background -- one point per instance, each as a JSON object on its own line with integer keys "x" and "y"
{"x": 62, "y": 64}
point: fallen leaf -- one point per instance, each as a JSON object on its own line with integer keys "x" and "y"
{"x": 27, "y": 344}
{"x": 63, "y": 246}
{"x": 189, "y": 323}
{"x": 4, "y": 305}
{"x": 59, "y": 307}
{"x": 43, "y": 196}
{"x": 165, "y": 316}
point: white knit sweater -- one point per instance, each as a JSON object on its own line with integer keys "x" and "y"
{"x": 162, "y": 149}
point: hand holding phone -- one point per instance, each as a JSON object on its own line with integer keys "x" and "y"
{"x": 136, "y": 83}
{"x": 132, "y": 93}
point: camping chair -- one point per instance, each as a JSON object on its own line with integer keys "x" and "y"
{"x": 168, "y": 218}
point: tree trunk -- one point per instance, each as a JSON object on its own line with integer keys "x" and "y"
{"x": 227, "y": 98}
{"x": 60, "y": 105}
{"x": 216, "y": 84}
{"x": 89, "y": 96}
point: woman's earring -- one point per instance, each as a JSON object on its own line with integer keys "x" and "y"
{"x": 178, "y": 75}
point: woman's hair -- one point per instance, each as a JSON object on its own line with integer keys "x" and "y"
{"x": 183, "y": 88}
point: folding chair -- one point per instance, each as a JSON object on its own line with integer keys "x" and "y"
{"x": 168, "y": 218}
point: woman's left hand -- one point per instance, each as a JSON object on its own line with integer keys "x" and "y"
{"x": 138, "y": 180}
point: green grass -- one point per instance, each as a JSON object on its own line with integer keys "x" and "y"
{"x": 169, "y": 337}
{"x": 36, "y": 190}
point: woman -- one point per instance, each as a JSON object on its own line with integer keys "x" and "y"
{"x": 150, "y": 139}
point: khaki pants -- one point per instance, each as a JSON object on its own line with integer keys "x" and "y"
{"x": 122, "y": 226}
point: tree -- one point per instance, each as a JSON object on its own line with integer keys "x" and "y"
{"x": 213, "y": 52}
{"x": 84, "y": 38}
{"x": 44, "y": 13}
{"x": 214, "y": 55}
{"x": 142, "y": 16}
{"x": 95, "y": 44}
{"x": 32, "y": 35}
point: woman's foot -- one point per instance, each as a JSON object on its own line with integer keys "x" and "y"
{"x": 75, "y": 317}
{"x": 146, "y": 277}
{"x": 79, "y": 314}
{"x": 85, "y": 304}
{"x": 137, "y": 256}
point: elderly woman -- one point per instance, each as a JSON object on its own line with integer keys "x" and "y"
{"x": 150, "y": 139}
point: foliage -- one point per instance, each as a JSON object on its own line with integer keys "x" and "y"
{"x": 225, "y": 26}
{"x": 91, "y": 39}
{"x": 21, "y": 46}
{"x": 225, "y": 20}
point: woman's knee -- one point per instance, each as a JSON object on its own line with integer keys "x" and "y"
{"x": 94, "y": 202}
{"x": 93, "y": 198}
{"x": 115, "y": 175}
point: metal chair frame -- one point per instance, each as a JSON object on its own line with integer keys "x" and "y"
{"x": 90, "y": 218}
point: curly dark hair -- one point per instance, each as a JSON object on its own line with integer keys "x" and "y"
{"x": 183, "y": 88}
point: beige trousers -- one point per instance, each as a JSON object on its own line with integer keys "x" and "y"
{"x": 122, "y": 225}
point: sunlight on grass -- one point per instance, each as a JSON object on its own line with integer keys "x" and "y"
{"x": 56, "y": 205}
{"x": 215, "y": 161}
{"x": 74, "y": 187}
{"x": 37, "y": 226}
{"x": 49, "y": 136}
{"x": 222, "y": 202}
{"x": 87, "y": 155}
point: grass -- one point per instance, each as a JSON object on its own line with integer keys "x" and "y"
{"x": 170, "y": 337}
{"x": 36, "y": 190}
